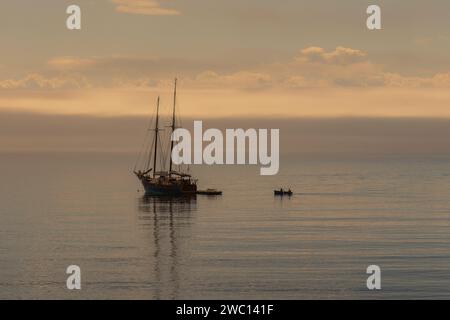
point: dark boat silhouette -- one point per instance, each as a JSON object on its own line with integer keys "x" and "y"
{"x": 164, "y": 183}
{"x": 210, "y": 192}
{"x": 282, "y": 192}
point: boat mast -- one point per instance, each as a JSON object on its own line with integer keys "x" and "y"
{"x": 156, "y": 138}
{"x": 173, "y": 124}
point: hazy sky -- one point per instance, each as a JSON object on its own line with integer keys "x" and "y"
{"x": 234, "y": 58}
{"x": 330, "y": 136}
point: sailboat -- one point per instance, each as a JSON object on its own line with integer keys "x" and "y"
{"x": 165, "y": 182}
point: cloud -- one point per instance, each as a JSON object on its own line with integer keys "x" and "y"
{"x": 144, "y": 7}
{"x": 103, "y": 70}
{"x": 340, "y": 56}
{"x": 105, "y": 63}
{"x": 348, "y": 67}
{"x": 38, "y": 81}
{"x": 70, "y": 63}
{"x": 138, "y": 83}
{"x": 440, "y": 80}
{"x": 242, "y": 80}
{"x": 300, "y": 82}
{"x": 313, "y": 67}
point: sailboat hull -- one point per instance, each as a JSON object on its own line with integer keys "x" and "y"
{"x": 172, "y": 188}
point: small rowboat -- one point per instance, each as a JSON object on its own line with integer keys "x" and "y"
{"x": 282, "y": 192}
{"x": 210, "y": 192}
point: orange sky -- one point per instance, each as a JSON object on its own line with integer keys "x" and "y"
{"x": 232, "y": 58}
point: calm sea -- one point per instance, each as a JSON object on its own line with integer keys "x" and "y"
{"x": 87, "y": 209}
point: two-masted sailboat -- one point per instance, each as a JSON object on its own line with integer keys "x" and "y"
{"x": 164, "y": 182}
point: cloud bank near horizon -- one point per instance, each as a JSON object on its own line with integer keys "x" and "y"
{"x": 312, "y": 67}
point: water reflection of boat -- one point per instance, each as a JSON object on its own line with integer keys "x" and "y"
{"x": 167, "y": 220}
{"x": 167, "y": 204}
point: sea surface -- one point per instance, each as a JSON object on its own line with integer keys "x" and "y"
{"x": 348, "y": 212}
